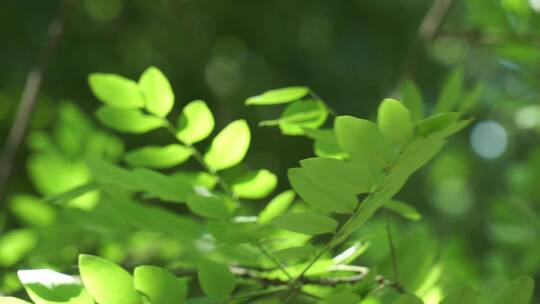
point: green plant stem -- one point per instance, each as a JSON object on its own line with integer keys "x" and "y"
{"x": 391, "y": 247}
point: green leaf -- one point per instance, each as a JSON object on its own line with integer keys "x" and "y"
{"x": 394, "y": 121}
{"x": 306, "y": 223}
{"x": 15, "y": 245}
{"x": 195, "y": 123}
{"x": 413, "y": 100}
{"x": 345, "y": 296}
{"x": 158, "y": 92}
{"x": 278, "y": 96}
{"x": 116, "y": 91}
{"x": 158, "y": 157}
{"x": 339, "y": 175}
{"x": 404, "y": 210}
{"x": 162, "y": 186}
{"x": 159, "y": 285}
{"x": 46, "y": 286}
{"x": 451, "y": 92}
{"x": 128, "y": 120}
{"x": 255, "y": 184}
{"x": 294, "y": 252}
{"x": 229, "y": 147}
{"x": 277, "y": 206}
{"x": 436, "y": 123}
{"x": 107, "y": 282}
{"x": 216, "y": 279}
{"x": 109, "y": 174}
{"x": 325, "y": 144}
{"x": 363, "y": 141}
{"x": 11, "y": 300}
{"x": 408, "y": 299}
{"x": 464, "y": 295}
{"x": 321, "y": 198}
{"x": 518, "y": 291}
{"x": 471, "y": 99}
{"x": 301, "y": 115}
{"x": 207, "y": 204}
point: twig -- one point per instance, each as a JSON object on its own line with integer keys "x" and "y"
{"x": 29, "y": 97}
{"x": 392, "y": 248}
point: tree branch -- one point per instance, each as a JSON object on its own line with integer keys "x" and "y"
{"x": 28, "y": 98}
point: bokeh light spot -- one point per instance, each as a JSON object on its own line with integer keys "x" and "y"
{"x": 489, "y": 139}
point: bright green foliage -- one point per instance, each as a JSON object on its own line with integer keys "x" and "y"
{"x": 294, "y": 252}
{"x": 394, "y": 121}
{"x": 229, "y": 147}
{"x": 128, "y": 120}
{"x": 49, "y": 287}
{"x": 343, "y": 297}
{"x": 408, "y": 299}
{"x": 255, "y": 184}
{"x": 195, "y": 123}
{"x": 363, "y": 141}
{"x": 157, "y": 91}
{"x": 277, "y": 206}
{"x": 216, "y": 279}
{"x": 306, "y": 223}
{"x": 451, "y": 92}
{"x": 107, "y": 282}
{"x": 518, "y": 291}
{"x": 207, "y": 204}
{"x": 159, "y": 285}
{"x": 403, "y": 209}
{"x": 413, "y": 100}
{"x": 278, "y": 96}
{"x": 116, "y": 91}
{"x": 327, "y": 200}
{"x": 303, "y": 247}
{"x": 11, "y": 300}
{"x": 158, "y": 157}
{"x": 464, "y": 295}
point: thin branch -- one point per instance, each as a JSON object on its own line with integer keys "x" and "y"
{"x": 391, "y": 247}
{"x": 29, "y": 97}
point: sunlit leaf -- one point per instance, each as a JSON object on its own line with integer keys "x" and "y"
{"x": 159, "y": 285}
{"x": 340, "y": 176}
{"x": 306, "y": 223}
{"x": 116, "y": 91}
{"x": 413, "y": 100}
{"x": 301, "y": 115}
{"x": 128, "y": 120}
{"x": 45, "y": 286}
{"x": 12, "y": 300}
{"x": 15, "y": 244}
{"x": 518, "y": 291}
{"x": 162, "y": 186}
{"x": 278, "y": 96}
{"x": 207, "y": 204}
{"x": 363, "y": 141}
{"x": 216, "y": 279}
{"x": 157, "y": 91}
{"x": 343, "y": 297}
{"x": 464, "y": 295}
{"x": 195, "y": 123}
{"x": 107, "y": 282}
{"x": 325, "y": 144}
{"x": 294, "y": 252}
{"x": 408, "y": 299}
{"x": 450, "y": 92}
{"x": 158, "y": 157}
{"x": 394, "y": 121}
{"x": 403, "y": 209}
{"x": 277, "y": 206}
{"x": 31, "y": 210}
{"x": 229, "y": 147}
{"x": 322, "y": 199}
{"x": 255, "y": 184}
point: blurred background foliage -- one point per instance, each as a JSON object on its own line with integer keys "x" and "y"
{"x": 479, "y": 199}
